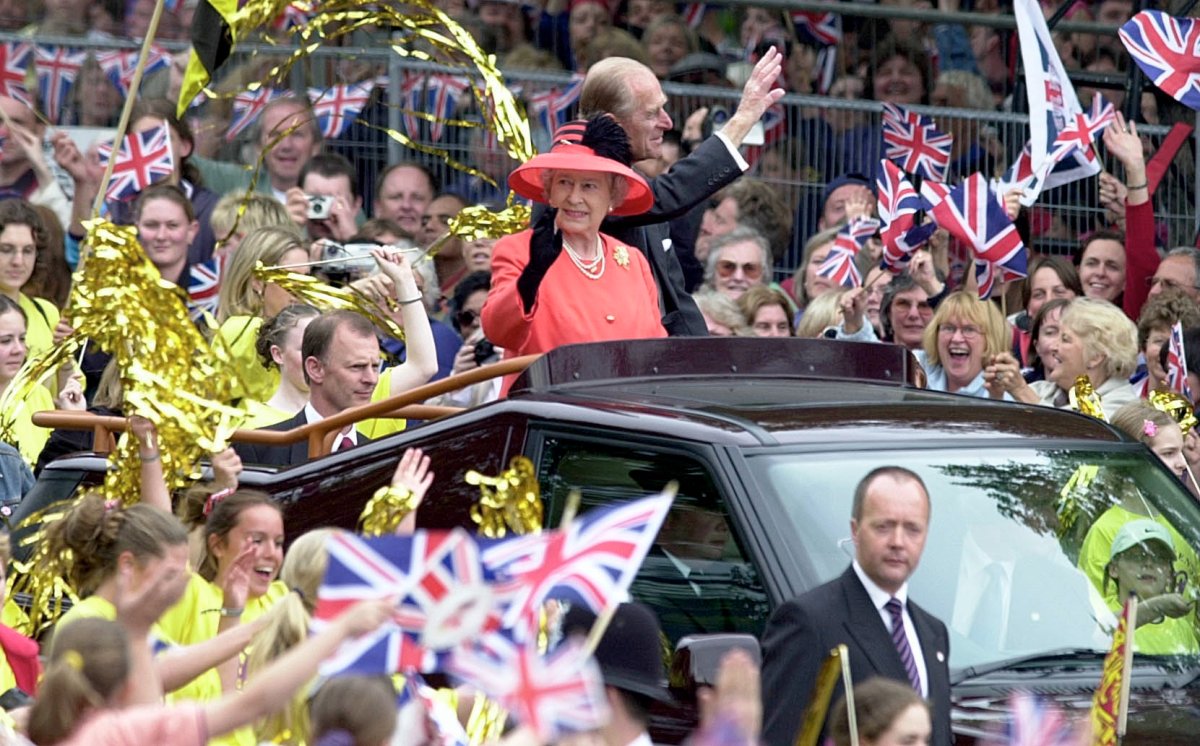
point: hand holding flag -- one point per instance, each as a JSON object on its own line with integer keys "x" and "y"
{"x": 840, "y": 265}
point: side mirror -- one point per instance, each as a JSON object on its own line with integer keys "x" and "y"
{"x": 697, "y": 658}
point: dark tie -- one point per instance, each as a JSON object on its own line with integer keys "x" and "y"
{"x": 900, "y": 638}
{"x": 345, "y": 443}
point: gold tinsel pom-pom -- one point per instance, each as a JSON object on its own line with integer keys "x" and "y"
{"x": 1086, "y": 400}
{"x": 385, "y": 510}
{"x": 1175, "y": 405}
{"x": 509, "y": 501}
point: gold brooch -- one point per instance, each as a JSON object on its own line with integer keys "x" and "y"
{"x": 621, "y": 256}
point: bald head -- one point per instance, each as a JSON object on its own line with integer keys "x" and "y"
{"x": 629, "y": 91}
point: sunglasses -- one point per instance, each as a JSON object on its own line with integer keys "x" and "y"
{"x": 752, "y": 270}
{"x": 466, "y": 318}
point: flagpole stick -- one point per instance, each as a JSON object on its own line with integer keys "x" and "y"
{"x": 1192, "y": 476}
{"x": 848, "y": 686}
{"x": 570, "y": 509}
{"x": 1127, "y": 667}
{"x": 126, "y": 114}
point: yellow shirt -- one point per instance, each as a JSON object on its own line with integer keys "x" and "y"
{"x": 196, "y": 618}
{"x": 260, "y": 414}
{"x": 381, "y": 427}
{"x": 251, "y": 380}
{"x": 41, "y": 318}
{"x": 28, "y": 438}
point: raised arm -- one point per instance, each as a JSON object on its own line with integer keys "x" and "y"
{"x": 420, "y": 361}
{"x": 1141, "y": 258}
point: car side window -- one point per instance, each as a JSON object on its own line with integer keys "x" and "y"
{"x": 696, "y": 577}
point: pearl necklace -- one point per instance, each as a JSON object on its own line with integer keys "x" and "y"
{"x": 592, "y": 268}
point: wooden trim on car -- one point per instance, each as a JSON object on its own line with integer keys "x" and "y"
{"x": 319, "y": 434}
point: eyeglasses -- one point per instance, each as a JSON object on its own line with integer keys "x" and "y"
{"x": 752, "y": 270}
{"x": 968, "y": 332}
{"x": 466, "y": 317}
{"x": 1168, "y": 284}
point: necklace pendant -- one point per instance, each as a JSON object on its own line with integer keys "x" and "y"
{"x": 621, "y": 256}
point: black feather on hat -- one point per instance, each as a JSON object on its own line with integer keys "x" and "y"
{"x": 603, "y": 135}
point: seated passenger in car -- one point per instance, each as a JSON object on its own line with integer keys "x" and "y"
{"x": 1143, "y": 563}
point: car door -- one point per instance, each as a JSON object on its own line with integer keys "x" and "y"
{"x": 697, "y": 576}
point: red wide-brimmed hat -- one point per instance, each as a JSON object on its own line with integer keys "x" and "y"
{"x": 526, "y": 179}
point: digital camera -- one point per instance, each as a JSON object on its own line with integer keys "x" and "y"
{"x": 320, "y": 206}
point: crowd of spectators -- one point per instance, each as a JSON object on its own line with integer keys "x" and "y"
{"x": 745, "y": 256}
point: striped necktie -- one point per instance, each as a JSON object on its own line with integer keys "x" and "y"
{"x": 900, "y": 638}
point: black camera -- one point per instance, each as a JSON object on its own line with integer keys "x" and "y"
{"x": 484, "y": 352}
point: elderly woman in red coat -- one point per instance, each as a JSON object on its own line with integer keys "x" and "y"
{"x": 563, "y": 281}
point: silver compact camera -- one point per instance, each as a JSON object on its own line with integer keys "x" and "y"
{"x": 320, "y": 206}
{"x": 350, "y": 258}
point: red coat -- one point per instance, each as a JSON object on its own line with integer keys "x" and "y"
{"x": 570, "y": 307}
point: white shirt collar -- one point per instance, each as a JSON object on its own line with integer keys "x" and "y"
{"x": 312, "y": 415}
{"x": 879, "y": 596}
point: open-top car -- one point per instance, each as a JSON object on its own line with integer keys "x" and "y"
{"x": 767, "y": 439}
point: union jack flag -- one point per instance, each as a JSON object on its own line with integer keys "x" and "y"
{"x": 693, "y": 13}
{"x": 120, "y": 64}
{"x": 819, "y": 28}
{"x": 553, "y": 695}
{"x": 204, "y": 286}
{"x": 552, "y": 108}
{"x": 247, "y": 105}
{"x": 57, "y": 68}
{"x": 293, "y": 16}
{"x": 1034, "y": 723}
{"x": 899, "y": 205}
{"x": 442, "y": 93}
{"x": 1081, "y": 130}
{"x": 14, "y": 65}
{"x": 840, "y": 265}
{"x": 410, "y": 95}
{"x": 915, "y": 144}
{"x": 1176, "y": 366}
{"x": 336, "y": 108}
{"x": 450, "y": 730}
{"x": 972, "y": 214}
{"x": 592, "y": 561}
{"x": 1168, "y": 51}
{"x": 145, "y": 158}
{"x": 439, "y": 581}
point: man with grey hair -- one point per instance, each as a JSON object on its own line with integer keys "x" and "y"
{"x": 737, "y": 261}
{"x": 632, "y": 94}
{"x": 1180, "y": 268}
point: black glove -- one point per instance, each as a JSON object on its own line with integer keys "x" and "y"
{"x": 545, "y": 245}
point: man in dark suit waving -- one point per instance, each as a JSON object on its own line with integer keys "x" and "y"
{"x": 868, "y": 609}
{"x": 632, "y": 94}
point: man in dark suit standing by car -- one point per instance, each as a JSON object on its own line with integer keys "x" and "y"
{"x": 867, "y": 608}
{"x": 632, "y": 94}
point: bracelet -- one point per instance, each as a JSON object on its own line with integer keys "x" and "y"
{"x": 410, "y": 301}
{"x": 145, "y": 459}
{"x": 1143, "y": 185}
{"x": 233, "y": 613}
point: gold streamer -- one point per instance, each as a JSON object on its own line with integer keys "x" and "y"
{"x": 476, "y": 221}
{"x": 1068, "y": 497}
{"x": 1086, "y": 400}
{"x": 385, "y": 510}
{"x": 1177, "y": 406}
{"x": 511, "y": 500}
{"x": 312, "y": 291}
{"x": 486, "y": 721}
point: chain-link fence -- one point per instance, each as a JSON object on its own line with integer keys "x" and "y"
{"x": 808, "y": 140}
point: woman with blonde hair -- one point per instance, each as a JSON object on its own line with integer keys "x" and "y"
{"x": 721, "y": 314}
{"x": 246, "y": 301}
{"x": 822, "y": 313}
{"x": 961, "y": 339}
{"x": 237, "y": 215}
{"x": 1097, "y": 340}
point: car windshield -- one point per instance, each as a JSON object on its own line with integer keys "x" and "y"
{"x": 1019, "y": 557}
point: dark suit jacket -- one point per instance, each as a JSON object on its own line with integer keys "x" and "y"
{"x": 290, "y": 455}
{"x": 801, "y": 632}
{"x": 689, "y": 182}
